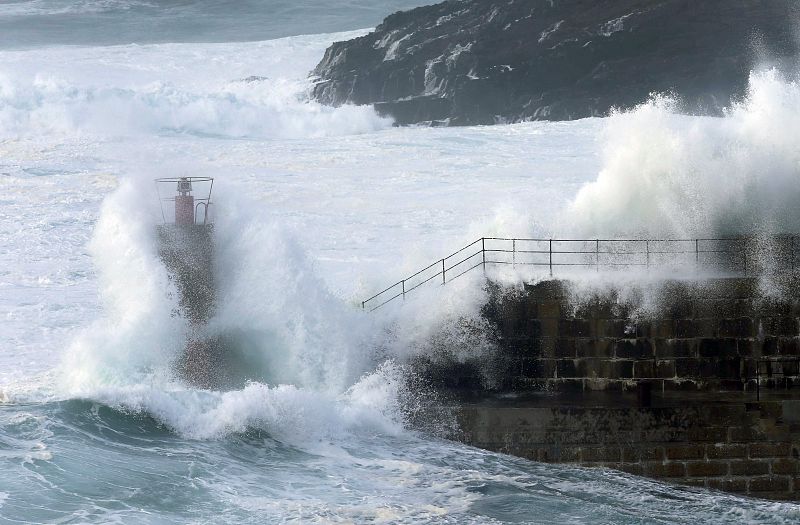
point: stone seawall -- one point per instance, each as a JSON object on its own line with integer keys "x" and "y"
{"x": 713, "y": 335}
{"x": 749, "y": 448}
{"x": 692, "y": 382}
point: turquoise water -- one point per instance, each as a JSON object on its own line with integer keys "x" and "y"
{"x": 315, "y": 209}
{"x": 81, "y": 462}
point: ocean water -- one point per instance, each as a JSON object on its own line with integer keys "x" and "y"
{"x": 315, "y": 209}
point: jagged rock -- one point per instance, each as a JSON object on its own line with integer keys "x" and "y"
{"x": 487, "y": 61}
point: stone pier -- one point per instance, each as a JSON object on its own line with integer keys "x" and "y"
{"x": 698, "y": 386}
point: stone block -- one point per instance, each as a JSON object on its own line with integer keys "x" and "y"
{"x": 786, "y": 466}
{"x": 748, "y": 348}
{"x": 538, "y": 368}
{"x": 694, "y": 482}
{"x": 675, "y": 348}
{"x": 715, "y": 308}
{"x": 661, "y": 329}
{"x": 558, "y": 454}
{"x": 665, "y": 469}
{"x": 743, "y": 308}
{"x": 548, "y": 309}
{"x": 644, "y": 369}
{"x": 739, "y": 327}
{"x": 574, "y": 328}
{"x": 679, "y": 310}
{"x": 611, "y": 328}
{"x": 748, "y": 467}
{"x": 604, "y": 454}
{"x": 706, "y": 327}
{"x": 706, "y": 469}
{"x": 769, "y": 346}
{"x": 622, "y": 369}
{"x": 718, "y": 348}
{"x": 790, "y": 411}
{"x": 687, "y": 367}
{"x": 665, "y": 369}
{"x": 789, "y": 346}
{"x": 565, "y": 348}
{"x": 633, "y": 349}
{"x": 606, "y": 385}
{"x": 745, "y": 434}
{"x": 682, "y": 385}
{"x": 514, "y": 346}
{"x": 549, "y": 327}
{"x": 722, "y": 415}
{"x": 730, "y": 385}
{"x": 565, "y": 385}
{"x": 728, "y": 368}
{"x": 770, "y": 450}
{"x": 770, "y": 484}
{"x": 635, "y": 454}
{"x": 594, "y": 348}
{"x": 726, "y": 451}
{"x": 778, "y": 326}
{"x": 685, "y": 452}
{"x": 552, "y": 289}
{"x": 685, "y": 328}
{"x": 708, "y": 433}
{"x": 635, "y": 469}
{"x": 567, "y": 368}
{"x": 787, "y": 327}
{"x": 728, "y": 485}
{"x": 775, "y": 307}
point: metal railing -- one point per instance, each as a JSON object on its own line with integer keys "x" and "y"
{"x": 730, "y": 256}
{"x": 205, "y": 183}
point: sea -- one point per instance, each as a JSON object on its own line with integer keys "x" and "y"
{"x": 315, "y": 209}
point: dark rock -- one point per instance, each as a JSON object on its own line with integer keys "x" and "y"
{"x": 488, "y": 61}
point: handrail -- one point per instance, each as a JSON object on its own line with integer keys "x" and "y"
{"x": 553, "y": 255}
{"x": 206, "y": 201}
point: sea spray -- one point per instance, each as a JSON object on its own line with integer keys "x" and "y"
{"x": 308, "y": 362}
{"x": 667, "y": 174}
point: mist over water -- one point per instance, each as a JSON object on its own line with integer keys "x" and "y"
{"x": 315, "y": 209}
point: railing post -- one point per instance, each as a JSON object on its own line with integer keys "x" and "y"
{"x": 550, "y": 251}
{"x": 597, "y": 255}
{"x": 647, "y": 251}
{"x": 483, "y": 252}
{"x": 513, "y": 253}
{"x": 697, "y": 255}
{"x": 443, "y": 270}
{"x": 363, "y": 305}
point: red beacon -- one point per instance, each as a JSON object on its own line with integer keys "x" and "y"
{"x": 186, "y": 247}
{"x": 188, "y": 209}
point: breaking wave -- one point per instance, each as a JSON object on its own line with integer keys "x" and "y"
{"x": 250, "y": 108}
{"x": 667, "y": 174}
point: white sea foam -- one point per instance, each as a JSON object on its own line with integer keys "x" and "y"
{"x": 326, "y": 366}
{"x": 665, "y": 174}
{"x": 258, "y": 91}
{"x": 331, "y": 220}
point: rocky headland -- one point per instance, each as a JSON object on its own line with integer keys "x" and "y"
{"x": 464, "y": 62}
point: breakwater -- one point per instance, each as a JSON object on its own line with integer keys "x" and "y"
{"x": 691, "y": 381}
